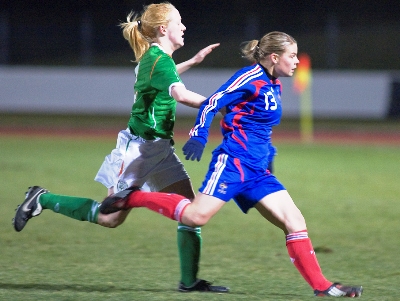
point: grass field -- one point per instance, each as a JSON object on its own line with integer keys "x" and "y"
{"x": 347, "y": 193}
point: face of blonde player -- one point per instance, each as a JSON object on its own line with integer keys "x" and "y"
{"x": 175, "y": 29}
{"x": 287, "y": 62}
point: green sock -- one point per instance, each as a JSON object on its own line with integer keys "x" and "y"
{"x": 189, "y": 245}
{"x": 82, "y": 209}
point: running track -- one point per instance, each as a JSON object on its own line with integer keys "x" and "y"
{"x": 329, "y": 137}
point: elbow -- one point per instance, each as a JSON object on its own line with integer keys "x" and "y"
{"x": 180, "y": 98}
{"x": 180, "y": 94}
{"x": 187, "y": 102}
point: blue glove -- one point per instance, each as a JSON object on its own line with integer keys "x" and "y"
{"x": 193, "y": 149}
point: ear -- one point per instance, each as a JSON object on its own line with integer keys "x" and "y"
{"x": 274, "y": 58}
{"x": 162, "y": 29}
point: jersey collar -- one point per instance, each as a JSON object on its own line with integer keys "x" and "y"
{"x": 272, "y": 79}
{"x": 159, "y": 46}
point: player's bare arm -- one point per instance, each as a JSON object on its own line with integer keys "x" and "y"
{"x": 187, "y": 97}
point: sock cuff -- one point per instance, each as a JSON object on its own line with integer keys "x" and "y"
{"x": 295, "y": 236}
{"x": 180, "y": 208}
{"x": 182, "y": 227}
{"x": 93, "y": 214}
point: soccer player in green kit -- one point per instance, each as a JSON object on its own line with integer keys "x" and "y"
{"x": 144, "y": 155}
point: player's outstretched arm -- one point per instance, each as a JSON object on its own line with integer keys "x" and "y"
{"x": 197, "y": 59}
{"x": 187, "y": 97}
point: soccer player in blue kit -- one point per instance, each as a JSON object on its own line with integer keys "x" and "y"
{"x": 239, "y": 166}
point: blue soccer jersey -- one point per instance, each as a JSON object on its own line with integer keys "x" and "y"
{"x": 253, "y": 107}
{"x": 238, "y": 168}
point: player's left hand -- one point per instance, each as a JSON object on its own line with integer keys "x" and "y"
{"x": 199, "y": 57}
{"x": 193, "y": 149}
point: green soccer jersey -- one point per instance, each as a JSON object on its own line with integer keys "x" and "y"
{"x": 153, "y": 112}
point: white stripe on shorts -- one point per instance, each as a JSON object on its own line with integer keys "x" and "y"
{"x": 219, "y": 168}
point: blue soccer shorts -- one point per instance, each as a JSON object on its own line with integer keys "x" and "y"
{"x": 228, "y": 178}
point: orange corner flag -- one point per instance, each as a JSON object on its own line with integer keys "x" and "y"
{"x": 302, "y": 76}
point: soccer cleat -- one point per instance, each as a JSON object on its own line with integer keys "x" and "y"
{"x": 202, "y": 286}
{"x": 116, "y": 201}
{"x": 29, "y": 208}
{"x": 338, "y": 290}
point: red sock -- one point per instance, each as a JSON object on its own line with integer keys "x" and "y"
{"x": 169, "y": 205}
{"x": 302, "y": 254}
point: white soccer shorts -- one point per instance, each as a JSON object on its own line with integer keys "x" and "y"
{"x": 150, "y": 164}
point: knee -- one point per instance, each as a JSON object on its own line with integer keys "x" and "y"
{"x": 108, "y": 221}
{"x": 296, "y": 223}
{"x": 198, "y": 219}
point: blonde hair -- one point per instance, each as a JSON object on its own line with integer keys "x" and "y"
{"x": 273, "y": 42}
{"x": 140, "y": 31}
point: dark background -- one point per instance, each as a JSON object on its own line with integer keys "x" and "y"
{"x": 339, "y": 34}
